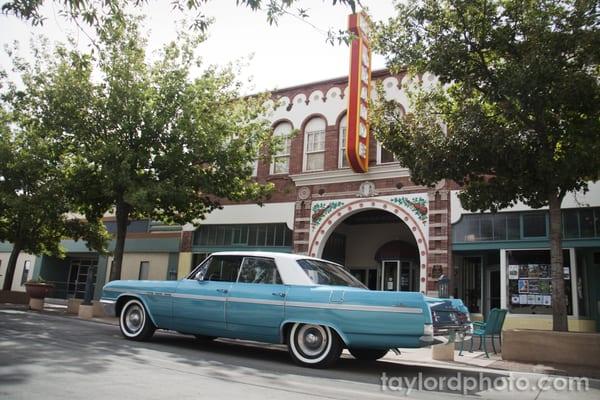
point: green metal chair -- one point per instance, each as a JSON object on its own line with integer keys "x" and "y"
{"x": 490, "y": 328}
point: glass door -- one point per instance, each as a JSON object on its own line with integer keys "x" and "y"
{"x": 399, "y": 275}
{"x": 78, "y": 273}
{"x": 390, "y": 275}
{"x": 493, "y": 288}
{"x": 409, "y": 279}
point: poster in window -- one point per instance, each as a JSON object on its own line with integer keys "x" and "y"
{"x": 566, "y": 273}
{"x": 513, "y": 271}
{"x": 545, "y": 271}
{"x": 531, "y": 299}
{"x": 515, "y": 299}
{"x": 534, "y": 286}
{"x": 523, "y": 299}
{"x": 534, "y": 271}
{"x": 523, "y": 286}
{"x": 545, "y": 286}
{"x": 547, "y": 300}
{"x": 523, "y": 271}
{"x": 539, "y": 299}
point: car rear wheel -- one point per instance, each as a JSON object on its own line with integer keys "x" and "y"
{"x": 314, "y": 345}
{"x": 134, "y": 321}
{"x": 368, "y": 354}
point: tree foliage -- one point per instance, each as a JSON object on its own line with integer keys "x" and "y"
{"x": 91, "y": 11}
{"x": 515, "y": 113}
{"x": 35, "y": 206}
{"x": 145, "y": 139}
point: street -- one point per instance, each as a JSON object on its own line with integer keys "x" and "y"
{"x": 52, "y": 357}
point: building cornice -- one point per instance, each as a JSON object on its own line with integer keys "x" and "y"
{"x": 388, "y": 171}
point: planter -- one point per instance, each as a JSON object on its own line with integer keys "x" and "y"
{"x": 73, "y": 306}
{"x": 549, "y": 347}
{"x": 38, "y": 290}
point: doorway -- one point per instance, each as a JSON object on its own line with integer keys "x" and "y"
{"x": 399, "y": 275}
{"x": 79, "y": 269}
{"x": 493, "y": 285}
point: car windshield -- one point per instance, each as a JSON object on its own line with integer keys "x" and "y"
{"x": 325, "y": 273}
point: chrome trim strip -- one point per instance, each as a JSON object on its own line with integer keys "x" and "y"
{"x": 301, "y": 304}
{"x": 106, "y": 301}
{"x": 198, "y": 297}
{"x": 255, "y": 301}
{"x": 355, "y": 307}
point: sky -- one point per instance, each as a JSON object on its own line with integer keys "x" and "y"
{"x": 289, "y": 54}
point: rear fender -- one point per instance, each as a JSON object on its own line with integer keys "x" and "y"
{"x": 288, "y": 323}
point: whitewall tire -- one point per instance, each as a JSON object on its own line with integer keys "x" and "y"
{"x": 134, "y": 321}
{"x": 314, "y": 345}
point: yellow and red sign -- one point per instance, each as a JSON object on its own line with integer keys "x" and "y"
{"x": 359, "y": 93}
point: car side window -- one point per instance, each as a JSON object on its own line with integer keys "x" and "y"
{"x": 259, "y": 270}
{"x": 221, "y": 268}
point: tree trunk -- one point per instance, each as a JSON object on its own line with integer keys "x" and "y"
{"x": 559, "y": 305}
{"x": 11, "y": 266}
{"x": 122, "y": 222}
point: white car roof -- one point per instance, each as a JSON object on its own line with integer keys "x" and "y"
{"x": 291, "y": 273}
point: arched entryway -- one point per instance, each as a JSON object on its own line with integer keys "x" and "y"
{"x": 383, "y": 243}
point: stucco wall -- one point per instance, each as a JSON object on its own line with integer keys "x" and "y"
{"x": 16, "y": 285}
{"x": 362, "y": 241}
{"x": 131, "y": 265}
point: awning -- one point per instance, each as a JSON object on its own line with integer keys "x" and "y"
{"x": 249, "y": 214}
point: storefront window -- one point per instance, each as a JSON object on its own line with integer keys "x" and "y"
{"x": 530, "y": 281}
{"x": 586, "y": 222}
{"x": 261, "y": 235}
{"x": 534, "y": 225}
{"x": 570, "y": 224}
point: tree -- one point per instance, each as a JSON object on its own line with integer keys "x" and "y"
{"x": 516, "y": 113}
{"x": 90, "y": 11}
{"x": 145, "y": 140}
{"x": 34, "y": 204}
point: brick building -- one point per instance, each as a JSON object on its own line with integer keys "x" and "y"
{"x": 390, "y": 233}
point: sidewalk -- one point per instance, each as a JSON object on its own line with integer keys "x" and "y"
{"x": 475, "y": 361}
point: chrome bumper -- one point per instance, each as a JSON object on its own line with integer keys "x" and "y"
{"x": 448, "y": 334}
{"x": 109, "y": 307}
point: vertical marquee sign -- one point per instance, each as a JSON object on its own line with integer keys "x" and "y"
{"x": 359, "y": 92}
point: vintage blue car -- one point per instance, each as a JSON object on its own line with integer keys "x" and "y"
{"x": 314, "y": 306}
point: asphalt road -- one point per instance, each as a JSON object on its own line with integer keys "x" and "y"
{"x": 54, "y": 357}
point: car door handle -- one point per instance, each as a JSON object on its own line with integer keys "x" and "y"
{"x": 280, "y": 294}
{"x": 222, "y": 290}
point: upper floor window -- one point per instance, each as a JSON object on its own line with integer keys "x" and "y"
{"x": 253, "y": 235}
{"x": 343, "y": 160}
{"x": 281, "y": 160}
{"x": 255, "y": 168}
{"x": 384, "y": 155}
{"x": 577, "y": 223}
{"x": 314, "y": 145}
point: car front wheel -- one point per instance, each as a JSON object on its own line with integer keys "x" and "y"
{"x": 314, "y": 345}
{"x": 134, "y": 321}
{"x": 367, "y": 354}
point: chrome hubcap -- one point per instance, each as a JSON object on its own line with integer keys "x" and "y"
{"x": 312, "y": 340}
{"x": 134, "y": 319}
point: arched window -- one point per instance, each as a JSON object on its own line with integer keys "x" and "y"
{"x": 314, "y": 145}
{"x": 281, "y": 160}
{"x": 342, "y": 159}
